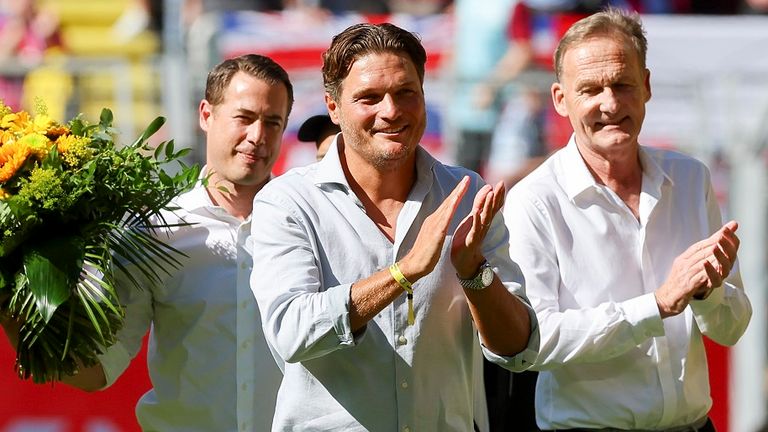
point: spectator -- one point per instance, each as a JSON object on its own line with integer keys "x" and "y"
{"x": 321, "y": 130}
{"x": 27, "y": 32}
{"x": 480, "y": 43}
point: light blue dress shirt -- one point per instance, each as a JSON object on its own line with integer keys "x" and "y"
{"x": 311, "y": 240}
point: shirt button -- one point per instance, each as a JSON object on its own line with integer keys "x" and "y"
{"x": 404, "y": 384}
{"x": 243, "y": 265}
{"x": 402, "y": 340}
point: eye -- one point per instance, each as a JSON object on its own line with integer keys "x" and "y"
{"x": 590, "y": 91}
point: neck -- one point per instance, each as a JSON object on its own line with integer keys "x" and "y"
{"x": 621, "y": 172}
{"x": 381, "y": 191}
{"x": 237, "y": 200}
{"x": 377, "y": 183}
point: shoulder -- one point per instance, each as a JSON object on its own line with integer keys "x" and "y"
{"x": 294, "y": 182}
{"x": 543, "y": 182}
{"x": 676, "y": 164}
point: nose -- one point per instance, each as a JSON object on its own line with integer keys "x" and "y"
{"x": 255, "y": 133}
{"x": 609, "y": 102}
{"x": 388, "y": 107}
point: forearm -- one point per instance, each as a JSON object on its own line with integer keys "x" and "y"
{"x": 371, "y": 295}
{"x": 501, "y": 319}
{"x": 595, "y": 334}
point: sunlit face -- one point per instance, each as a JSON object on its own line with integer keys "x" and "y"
{"x": 603, "y": 90}
{"x": 380, "y": 110}
{"x": 244, "y": 131}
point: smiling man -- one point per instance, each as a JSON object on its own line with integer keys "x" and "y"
{"x": 210, "y": 366}
{"x": 371, "y": 266}
{"x": 625, "y": 257}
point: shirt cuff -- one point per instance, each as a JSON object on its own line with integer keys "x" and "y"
{"x": 715, "y": 298}
{"x": 339, "y": 298}
{"x": 114, "y": 361}
{"x": 643, "y": 315}
{"x": 525, "y": 358}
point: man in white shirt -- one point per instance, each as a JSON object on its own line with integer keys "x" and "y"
{"x": 624, "y": 256}
{"x": 370, "y": 265}
{"x": 210, "y": 367}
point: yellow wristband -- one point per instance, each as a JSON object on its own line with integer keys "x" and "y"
{"x": 399, "y": 277}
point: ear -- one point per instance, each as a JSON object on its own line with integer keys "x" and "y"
{"x": 205, "y": 112}
{"x": 331, "y": 105}
{"x": 647, "y": 85}
{"x": 558, "y": 99}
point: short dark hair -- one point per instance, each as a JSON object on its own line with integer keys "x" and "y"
{"x": 611, "y": 21}
{"x": 361, "y": 39}
{"x": 255, "y": 65}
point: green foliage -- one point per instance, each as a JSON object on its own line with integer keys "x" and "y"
{"x": 64, "y": 220}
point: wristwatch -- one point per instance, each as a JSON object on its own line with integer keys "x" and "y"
{"x": 481, "y": 280}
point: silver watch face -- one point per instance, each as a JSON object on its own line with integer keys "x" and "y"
{"x": 486, "y": 275}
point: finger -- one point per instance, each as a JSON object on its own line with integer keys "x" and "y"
{"x": 731, "y": 226}
{"x": 486, "y": 213}
{"x": 723, "y": 263}
{"x": 499, "y": 194}
{"x": 713, "y": 276}
{"x": 729, "y": 243}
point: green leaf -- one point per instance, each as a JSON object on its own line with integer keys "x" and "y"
{"x": 153, "y": 127}
{"x": 52, "y": 268}
{"x": 106, "y": 118}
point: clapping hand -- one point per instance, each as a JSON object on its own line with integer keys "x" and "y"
{"x": 699, "y": 270}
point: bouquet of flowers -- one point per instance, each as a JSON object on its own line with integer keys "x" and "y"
{"x": 75, "y": 209}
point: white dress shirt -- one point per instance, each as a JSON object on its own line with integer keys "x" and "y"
{"x": 210, "y": 367}
{"x": 607, "y": 359}
{"x": 312, "y": 240}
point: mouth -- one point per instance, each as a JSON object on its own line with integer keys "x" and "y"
{"x": 391, "y": 131}
{"x": 610, "y": 125}
{"x": 251, "y": 158}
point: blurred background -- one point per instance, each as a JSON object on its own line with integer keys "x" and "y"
{"x": 487, "y": 90}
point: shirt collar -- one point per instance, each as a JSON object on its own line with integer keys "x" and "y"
{"x": 329, "y": 168}
{"x": 653, "y": 173}
{"x": 576, "y": 175}
{"x": 578, "y": 178}
{"x": 197, "y": 199}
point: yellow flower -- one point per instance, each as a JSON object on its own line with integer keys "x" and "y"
{"x": 6, "y": 137}
{"x": 73, "y": 149}
{"x": 4, "y": 194}
{"x": 12, "y": 157}
{"x": 42, "y": 123}
{"x": 15, "y": 122}
{"x": 38, "y": 145}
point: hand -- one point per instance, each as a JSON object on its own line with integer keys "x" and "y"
{"x": 722, "y": 260}
{"x": 698, "y": 270}
{"x": 426, "y": 250}
{"x": 466, "y": 249}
